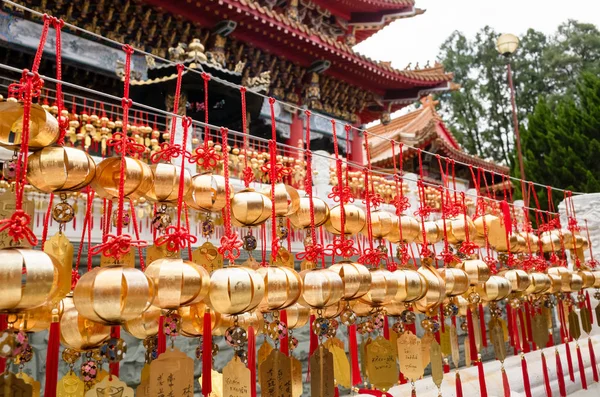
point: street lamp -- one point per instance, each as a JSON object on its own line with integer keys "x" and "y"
{"x": 506, "y": 45}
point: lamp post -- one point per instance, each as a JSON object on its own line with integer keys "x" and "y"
{"x": 506, "y": 45}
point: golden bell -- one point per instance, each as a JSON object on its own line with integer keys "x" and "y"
{"x": 457, "y": 229}
{"x": 587, "y": 277}
{"x": 384, "y": 287}
{"x": 207, "y": 193}
{"x": 253, "y": 319}
{"x": 409, "y": 226}
{"x": 60, "y": 169}
{"x": 145, "y": 325}
{"x": 550, "y": 241}
{"x": 493, "y": 226}
{"x": 287, "y": 199}
{"x": 518, "y": 279}
{"x": 477, "y": 270}
{"x": 540, "y": 283}
{"x": 77, "y": 332}
{"x": 235, "y": 290}
{"x": 457, "y": 280}
{"x": 43, "y": 127}
{"x": 393, "y": 309}
{"x": 411, "y": 285}
{"x": 381, "y": 224}
{"x": 28, "y": 278}
{"x": 570, "y": 282}
{"x": 35, "y": 320}
{"x": 113, "y": 294}
{"x": 433, "y": 233}
{"x": 332, "y": 311}
{"x": 596, "y": 274}
{"x": 356, "y": 278}
{"x": 494, "y": 289}
{"x": 138, "y": 178}
{"x": 322, "y": 288}
{"x": 165, "y": 183}
{"x": 283, "y": 287}
{"x": 192, "y": 319}
{"x": 555, "y": 283}
{"x": 250, "y": 208}
{"x": 297, "y": 316}
{"x": 462, "y": 304}
{"x": 301, "y": 218}
{"x": 436, "y": 289}
{"x": 177, "y": 282}
{"x": 354, "y": 217}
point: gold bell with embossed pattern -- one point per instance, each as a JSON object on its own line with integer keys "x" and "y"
{"x": 60, "y": 169}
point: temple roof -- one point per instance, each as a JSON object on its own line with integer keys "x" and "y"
{"x": 421, "y": 128}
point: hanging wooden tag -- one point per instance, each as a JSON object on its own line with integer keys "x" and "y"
{"x": 208, "y": 257}
{"x": 236, "y": 379}
{"x": 467, "y": 352}
{"x": 155, "y": 252}
{"x": 297, "y": 386}
{"x": 127, "y": 260}
{"x": 7, "y": 207}
{"x": 381, "y": 364}
{"x": 394, "y": 341}
{"x": 61, "y": 249}
{"x": 497, "y": 339}
{"x": 539, "y": 328}
{"x": 276, "y": 372}
{"x": 35, "y": 385}
{"x": 445, "y": 342}
{"x": 172, "y": 373}
{"x": 586, "y": 321}
{"x": 217, "y": 384}
{"x": 425, "y": 346}
{"x": 111, "y": 386}
{"x": 12, "y": 386}
{"x": 263, "y": 352}
{"x": 321, "y": 373}
{"x": 143, "y": 389}
{"x": 284, "y": 258}
{"x": 574, "y": 327}
{"x": 409, "y": 354}
{"x": 363, "y": 356}
{"x": 477, "y": 330}
{"x": 71, "y": 386}
{"x": 454, "y": 346}
{"x": 251, "y": 263}
{"x": 341, "y": 365}
{"x": 502, "y": 322}
{"x": 437, "y": 365}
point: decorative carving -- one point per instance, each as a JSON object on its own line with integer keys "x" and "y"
{"x": 217, "y": 55}
{"x": 260, "y": 82}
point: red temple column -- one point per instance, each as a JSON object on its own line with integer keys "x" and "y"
{"x": 357, "y": 149}
{"x": 296, "y": 134}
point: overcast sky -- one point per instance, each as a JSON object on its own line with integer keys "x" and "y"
{"x": 418, "y": 39}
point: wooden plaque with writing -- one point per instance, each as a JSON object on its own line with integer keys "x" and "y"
{"x": 381, "y": 364}
{"x": 574, "y": 327}
{"x": 263, "y": 352}
{"x": 437, "y": 365}
{"x": 208, "y": 257}
{"x": 425, "y": 346}
{"x": 236, "y": 379}
{"x": 409, "y": 354}
{"x": 467, "y": 352}
{"x": 143, "y": 389}
{"x": 497, "y": 339}
{"x": 275, "y": 374}
{"x": 341, "y": 365}
{"x": 172, "y": 372}
{"x": 321, "y": 373}
{"x": 445, "y": 342}
{"x": 297, "y": 386}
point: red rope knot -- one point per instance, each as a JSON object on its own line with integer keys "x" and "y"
{"x": 401, "y": 203}
{"x": 18, "y": 90}
{"x": 271, "y": 101}
{"x": 372, "y": 257}
{"x": 243, "y": 89}
{"x": 248, "y": 175}
{"x": 205, "y": 76}
{"x": 206, "y": 157}
{"x": 280, "y": 171}
{"x": 592, "y": 263}
{"x": 128, "y": 49}
{"x": 343, "y": 247}
{"x": 539, "y": 264}
{"x": 230, "y": 246}
{"x": 448, "y": 257}
{"x": 117, "y": 246}
{"x": 554, "y": 259}
{"x": 313, "y": 253}
{"x": 308, "y": 113}
{"x": 168, "y": 152}
{"x": 403, "y": 255}
{"x": 343, "y": 194}
{"x": 74, "y": 278}
{"x": 573, "y": 226}
{"x": 176, "y": 238}
{"x": 123, "y": 144}
{"x": 373, "y": 198}
{"x": 126, "y": 102}
{"x": 493, "y": 263}
{"x": 424, "y": 211}
{"x": 468, "y": 248}
{"x": 17, "y": 227}
{"x": 511, "y": 262}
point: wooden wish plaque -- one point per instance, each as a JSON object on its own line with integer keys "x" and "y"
{"x": 381, "y": 364}
{"x": 276, "y": 375}
{"x": 409, "y": 354}
{"x": 236, "y": 379}
{"x": 172, "y": 373}
{"x": 322, "y": 373}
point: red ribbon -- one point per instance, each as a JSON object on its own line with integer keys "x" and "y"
{"x": 162, "y": 339}
{"x": 343, "y": 247}
{"x": 207, "y": 355}
{"x": 505, "y": 384}
{"x": 459, "y": 391}
{"x": 117, "y": 246}
{"x": 252, "y": 360}
{"x": 206, "y": 157}
{"x": 52, "y": 360}
{"x": 17, "y": 227}
{"x": 593, "y": 360}
{"x": 546, "y": 376}
{"x": 122, "y": 144}
{"x": 176, "y": 238}
{"x": 526, "y": 383}
{"x": 581, "y": 369}
{"x": 284, "y": 347}
{"x": 560, "y": 376}
{"x": 353, "y": 347}
{"x": 230, "y": 246}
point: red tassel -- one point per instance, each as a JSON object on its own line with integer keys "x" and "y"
{"x": 481, "y": 376}
{"x": 52, "y": 359}
{"x": 505, "y": 384}
{"x": 402, "y": 379}
{"x": 207, "y": 355}
{"x": 3, "y": 325}
{"x": 446, "y": 366}
{"x": 284, "y": 346}
{"x": 526, "y": 383}
{"x": 386, "y": 328}
{"x": 482, "y": 326}
{"x": 528, "y": 317}
{"x": 162, "y": 339}
{"x": 252, "y": 360}
{"x": 581, "y": 368}
{"x": 353, "y": 347}
{"x": 378, "y": 393}
{"x": 524, "y": 342}
{"x": 546, "y": 376}
{"x": 115, "y": 332}
{"x": 560, "y": 375}
{"x": 506, "y": 216}
{"x": 314, "y": 341}
{"x": 336, "y": 392}
{"x": 459, "y": 392}
{"x": 593, "y": 360}
{"x": 471, "y": 329}
{"x": 550, "y": 340}
{"x": 570, "y": 363}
